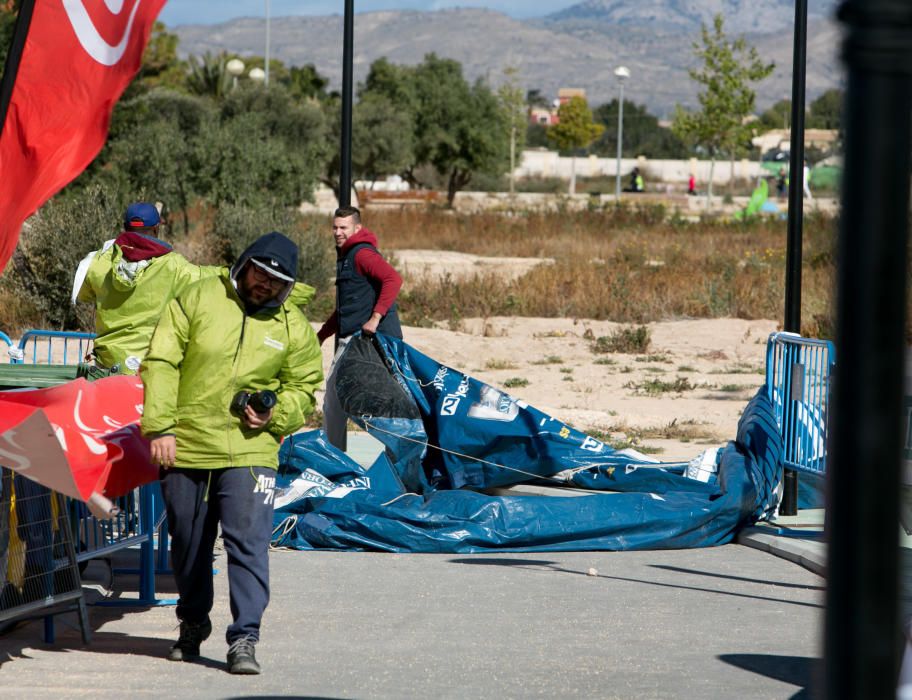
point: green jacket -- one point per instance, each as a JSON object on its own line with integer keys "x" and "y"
{"x": 206, "y": 349}
{"x": 129, "y": 299}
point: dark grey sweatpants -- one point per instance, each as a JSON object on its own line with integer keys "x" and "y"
{"x": 241, "y": 499}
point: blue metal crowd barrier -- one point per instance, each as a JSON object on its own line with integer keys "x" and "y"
{"x": 56, "y": 347}
{"x": 6, "y": 339}
{"x": 141, "y": 515}
{"x": 39, "y": 574}
{"x": 799, "y": 373}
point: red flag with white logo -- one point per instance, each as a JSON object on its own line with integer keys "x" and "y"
{"x": 70, "y": 62}
{"x": 80, "y": 438}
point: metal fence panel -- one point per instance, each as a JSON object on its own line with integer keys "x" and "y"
{"x": 141, "y": 513}
{"x": 41, "y": 347}
{"x": 38, "y": 566}
{"x": 799, "y": 374}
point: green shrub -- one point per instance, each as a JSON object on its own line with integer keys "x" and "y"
{"x": 236, "y": 227}
{"x": 629, "y": 339}
{"x": 541, "y": 184}
{"x": 40, "y": 273}
{"x": 485, "y": 182}
{"x": 656, "y": 387}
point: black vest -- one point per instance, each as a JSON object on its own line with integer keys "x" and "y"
{"x": 356, "y": 296}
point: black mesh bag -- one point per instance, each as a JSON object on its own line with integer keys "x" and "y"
{"x": 365, "y": 386}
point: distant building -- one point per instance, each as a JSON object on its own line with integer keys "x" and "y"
{"x": 780, "y": 139}
{"x": 547, "y": 116}
{"x": 565, "y": 94}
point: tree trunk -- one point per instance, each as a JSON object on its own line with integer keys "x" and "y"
{"x": 458, "y": 179}
{"x": 573, "y": 175}
{"x": 512, "y": 159}
{"x": 709, "y": 188}
{"x": 409, "y": 177}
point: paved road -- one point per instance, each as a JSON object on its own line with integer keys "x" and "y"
{"x": 727, "y": 622}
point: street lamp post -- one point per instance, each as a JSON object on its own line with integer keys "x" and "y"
{"x": 266, "y": 73}
{"x": 235, "y": 68}
{"x": 345, "y": 142}
{"x": 257, "y": 75}
{"x": 621, "y": 73}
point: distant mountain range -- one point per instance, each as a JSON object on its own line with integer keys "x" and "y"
{"x": 579, "y": 46}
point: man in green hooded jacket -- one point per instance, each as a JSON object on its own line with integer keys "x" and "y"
{"x": 221, "y": 349}
{"x": 130, "y": 280}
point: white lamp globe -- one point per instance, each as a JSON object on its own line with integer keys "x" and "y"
{"x": 235, "y": 67}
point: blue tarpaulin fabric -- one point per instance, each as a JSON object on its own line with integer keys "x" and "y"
{"x": 420, "y": 495}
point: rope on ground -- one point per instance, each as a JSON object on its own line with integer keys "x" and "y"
{"x": 367, "y": 421}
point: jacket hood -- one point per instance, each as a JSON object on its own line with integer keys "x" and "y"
{"x": 136, "y": 246}
{"x": 363, "y": 236}
{"x": 125, "y": 273}
{"x": 275, "y": 251}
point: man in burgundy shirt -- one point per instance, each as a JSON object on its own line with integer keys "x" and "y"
{"x": 366, "y": 290}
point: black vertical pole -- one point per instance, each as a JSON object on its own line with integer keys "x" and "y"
{"x": 789, "y": 505}
{"x": 14, "y": 55}
{"x": 345, "y": 168}
{"x": 862, "y": 635}
{"x": 345, "y": 177}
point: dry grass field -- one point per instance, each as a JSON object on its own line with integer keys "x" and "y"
{"x": 628, "y": 266}
{"x": 637, "y": 328}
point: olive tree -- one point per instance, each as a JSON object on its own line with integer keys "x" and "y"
{"x": 459, "y": 129}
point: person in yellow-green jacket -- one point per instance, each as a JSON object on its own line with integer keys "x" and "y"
{"x": 232, "y": 367}
{"x": 130, "y": 279}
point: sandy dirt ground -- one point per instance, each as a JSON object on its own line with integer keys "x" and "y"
{"x": 415, "y": 265}
{"x": 685, "y": 392}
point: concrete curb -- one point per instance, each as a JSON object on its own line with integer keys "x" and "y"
{"x": 807, "y": 551}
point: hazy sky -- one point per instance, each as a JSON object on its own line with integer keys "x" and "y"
{"x": 213, "y": 11}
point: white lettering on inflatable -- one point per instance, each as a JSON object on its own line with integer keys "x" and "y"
{"x": 451, "y": 401}
{"x": 591, "y": 444}
{"x": 438, "y": 379}
{"x": 449, "y": 405}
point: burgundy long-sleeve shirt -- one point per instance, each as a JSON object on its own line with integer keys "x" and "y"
{"x": 370, "y": 264}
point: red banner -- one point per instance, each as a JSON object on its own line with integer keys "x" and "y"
{"x": 78, "y": 58}
{"x": 80, "y": 439}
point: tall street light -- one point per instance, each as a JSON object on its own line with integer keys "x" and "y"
{"x": 789, "y": 504}
{"x": 257, "y": 75}
{"x": 235, "y": 68}
{"x": 621, "y": 73}
{"x": 345, "y": 164}
{"x": 266, "y": 77}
